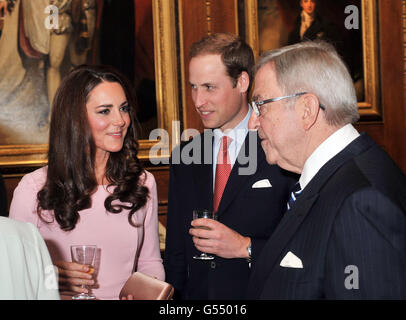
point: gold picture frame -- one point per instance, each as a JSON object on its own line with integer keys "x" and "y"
{"x": 166, "y": 81}
{"x": 370, "y": 108}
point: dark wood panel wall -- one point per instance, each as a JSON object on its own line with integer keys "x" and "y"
{"x": 392, "y": 73}
{"x": 391, "y": 132}
{"x": 200, "y": 17}
{"x": 197, "y": 19}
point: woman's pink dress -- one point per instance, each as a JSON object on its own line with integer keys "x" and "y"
{"x": 122, "y": 247}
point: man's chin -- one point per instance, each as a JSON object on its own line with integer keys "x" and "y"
{"x": 270, "y": 156}
{"x": 209, "y": 124}
{"x": 271, "y": 160}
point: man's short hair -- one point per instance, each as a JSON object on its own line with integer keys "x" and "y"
{"x": 236, "y": 55}
{"x": 315, "y": 67}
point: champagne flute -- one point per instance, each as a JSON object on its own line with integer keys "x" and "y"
{"x": 84, "y": 254}
{"x": 207, "y": 214}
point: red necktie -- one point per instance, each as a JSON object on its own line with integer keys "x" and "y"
{"x": 223, "y": 169}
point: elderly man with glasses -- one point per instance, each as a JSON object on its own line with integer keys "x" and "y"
{"x": 344, "y": 233}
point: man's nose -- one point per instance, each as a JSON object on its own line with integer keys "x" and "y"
{"x": 199, "y": 98}
{"x": 253, "y": 123}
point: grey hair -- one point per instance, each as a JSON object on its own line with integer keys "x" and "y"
{"x": 315, "y": 67}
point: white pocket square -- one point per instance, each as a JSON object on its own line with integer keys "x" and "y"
{"x": 262, "y": 184}
{"x": 291, "y": 261}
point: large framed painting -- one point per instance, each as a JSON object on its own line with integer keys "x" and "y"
{"x": 351, "y": 25}
{"x": 40, "y": 43}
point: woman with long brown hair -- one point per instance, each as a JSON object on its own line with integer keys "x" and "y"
{"x": 94, "y": 189}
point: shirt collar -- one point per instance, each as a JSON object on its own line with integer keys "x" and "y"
{"x": 326, "y": 151}
{"x": 307, "y": 18}
{"x": 238, "y": 133}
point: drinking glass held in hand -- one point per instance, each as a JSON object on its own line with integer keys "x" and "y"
{"x": 206, "y": 214}
{"x": 84, "y": 254}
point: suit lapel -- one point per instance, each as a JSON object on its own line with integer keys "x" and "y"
{"x": 203, "y": 174}
{"x": 237, "y": 180}
{"x": 301, "y": 208}
{"x": 314, "y": 29}
{"x": 279, "y": 240}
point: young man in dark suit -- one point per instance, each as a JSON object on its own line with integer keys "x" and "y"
{"x": 344, "y": 235}
{"x": 223, "y": 170}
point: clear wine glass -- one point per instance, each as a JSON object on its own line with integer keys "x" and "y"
{"x": 207, "y": 214}
{"x": 84, "y": 254}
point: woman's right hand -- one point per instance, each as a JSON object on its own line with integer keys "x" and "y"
{"x": 73, "y": 275}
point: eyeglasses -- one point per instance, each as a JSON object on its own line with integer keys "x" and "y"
{"x": 256, "y": 105}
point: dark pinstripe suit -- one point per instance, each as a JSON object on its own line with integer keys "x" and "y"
{"x": 352, "y": 213}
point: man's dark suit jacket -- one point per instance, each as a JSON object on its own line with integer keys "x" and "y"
{"x": 317, "y": 30}
{"x": 348, "y": 227}
{"x": 253, "y": 212}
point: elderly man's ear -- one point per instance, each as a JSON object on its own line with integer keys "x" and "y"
{"x": 309, "y": 110}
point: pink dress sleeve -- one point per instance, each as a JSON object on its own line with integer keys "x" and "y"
{"x": 24, "y": 203}
{"x": 149, "y": 260}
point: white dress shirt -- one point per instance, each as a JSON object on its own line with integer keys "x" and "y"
{"x": 307, "y": 21}
{"x": 237, "y": 135}
{"x": 26, "y": 270}
{"x": 326, "y": 151}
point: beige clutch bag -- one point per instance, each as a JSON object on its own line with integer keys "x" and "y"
{"x": 144, "y": 287}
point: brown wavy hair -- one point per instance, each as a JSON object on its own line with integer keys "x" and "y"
{"x": 71, "y": 179}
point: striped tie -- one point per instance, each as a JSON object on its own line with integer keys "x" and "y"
{"x": 294, "y": 194}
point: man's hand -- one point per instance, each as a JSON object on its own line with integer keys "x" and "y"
{"x": 219, "y": 240}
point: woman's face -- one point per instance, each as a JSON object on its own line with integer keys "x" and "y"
{"x": 108, "y": 116}
{"x": 308, "y": 6}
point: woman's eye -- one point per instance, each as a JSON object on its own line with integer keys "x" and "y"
{"x": 104, "y": 111}
{"x": 125, "y": 108}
